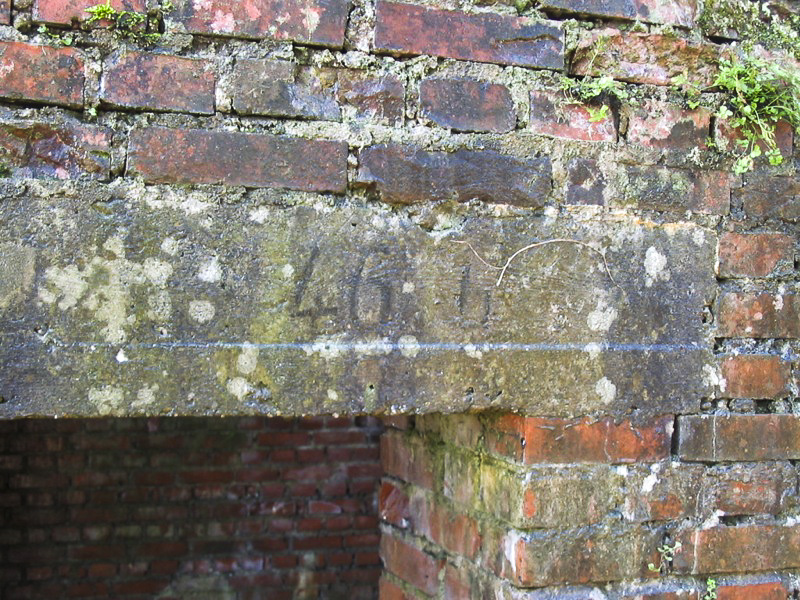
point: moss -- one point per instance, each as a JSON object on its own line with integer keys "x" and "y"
{"x": 753, "y": 23}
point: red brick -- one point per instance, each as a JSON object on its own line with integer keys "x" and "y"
{"x": 467, "y": 104}
{"x": 739, "y": 437}
{"x": 748, "y": 489}
{"x": 663, "y": 495}
{"x": 315, "y": 542}
{"x": 407, "y": 458}
{"x": 663, "y": 188}
{"x": 39, "y": 573}
{"x": 393, "y": 505}
{"x": 756, "y": 591}
{"x": 756, "y": 254}
{"x": 457, "y": 585}
{"x": 160, "y": 549}
{"x": 552, "y": 440}
{"x": 573, "y": 556}
{"x": 380, "y": 98}
{"x": 283, "y": 89}
{"x": 663, "y": 125}
{"x": 755, "y": 376}
{"x": 41, "y": 74}
{"x": 405, "y": 175}
{"x": 726, "y": 138}
{"x": 765, "y": 196}
{"x": 390, "y": 591}
{"x": 644, "y": 57}
{"x": 316, "y": 22}
{"x": 97, "y": 552}
{"x": 159, "y": 82}
{"x": 103, "y": 570}
{"x": 66, "y": 151}
{"x": 87, "y": 590}
{"x": 231, "y": 158}
{"x": 671, "y": 12}
{"x": 144, "y": 586}
{"x": 63, "y": 12}
{"x": 552, "y": 114}
{"x": 456, "y": 533}
{"x": 742, "y": 549}
{"x": 752, "y": 315}
{"x": 485, "y": 37}
{"x": 410, "y": 564}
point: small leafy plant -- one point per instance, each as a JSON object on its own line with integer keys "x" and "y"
{"x": 758, "y": 94}
{"x": 592, "y": 89}
{"x": 138, "y": 27}
{"x": 667, "y": 554}
{"x": 711, "y": 589}
{"x": 63, "y": 39}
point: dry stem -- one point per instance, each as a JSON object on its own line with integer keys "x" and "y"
{"x": 536, "y": 245}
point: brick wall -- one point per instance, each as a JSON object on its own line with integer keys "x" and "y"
{"x": 169, "y": 507}
{"x": 424, "y": 114}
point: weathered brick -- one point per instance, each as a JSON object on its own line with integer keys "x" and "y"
{"x": 65, "y": 151}
{"x": 283, "y": 89}
{"x": 457, "y": 584}
{"x": 163, "y": 155}
{"x": 467, "y": 105}
{"x": 742, "y": 549}
{"x": 667, "y": 126}
{"x": 407, "y": 458}
{"x": 552, "y": 440}
{"x": 41, "y": 74}
{"x": 756, "y": 254}
{"x": 574, "y": 556}
{"x": 315, "y": 22}
{"x": 644, "y": 57}
{"x": 585, "y": 183}
{"x": 671, "y": 12}
{"x": 456, "y": 533}
{"x": 748, "y": 489}
{"x": 410, "y": 564}
{"x": 754, "y": 591}
{"x": 726, "y": 138}
{"x": 550, "y": 497}
{"x": 744, "y": 314}
{"x": 755, "y": 376}
{"x": 404, "y": 175}
{"x": 739, "y": 437}
{"x": 63, "y": 12}
{"x": 493, "y": 38}
{"x": 766, "y": 196}
{"x": 463, "y": 430}
{"x": 461, "y": 478}
{"x": 662, "y": 492}
{"x": 663, "y": 188}
{"x": 551, "y": 114}
{"x": 388, "y": 590}
{"x": 159, "y": 82}
{"x": 377, "y": 98}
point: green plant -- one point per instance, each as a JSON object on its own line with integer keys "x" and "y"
{"x": 63, "y": 39}
{"x": 593, "y": 89}
{"x": 5, "y": 171}
{"x": 757, "y": 94}
{"x": 139, "y": 27}
{"x": 666, "y": 554}
{"x": 711, "y": 589}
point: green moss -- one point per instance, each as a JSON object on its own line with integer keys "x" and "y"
{"x": 753, "y": 23}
